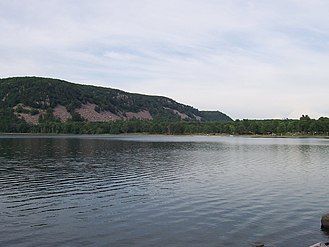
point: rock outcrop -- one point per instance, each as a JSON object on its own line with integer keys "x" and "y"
{"x": 325, "y": 222}
{"x": 61, "y": 113}
{"x": 88, "y": 112}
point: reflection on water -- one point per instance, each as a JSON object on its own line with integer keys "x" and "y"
{"x": 162, "y": 191}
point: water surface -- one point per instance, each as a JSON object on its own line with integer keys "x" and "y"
{"x": 162, "y": 191}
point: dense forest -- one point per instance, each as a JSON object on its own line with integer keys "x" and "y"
{"x": 303, "y": 126}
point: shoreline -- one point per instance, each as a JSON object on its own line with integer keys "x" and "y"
{"x": 161, "y": 134}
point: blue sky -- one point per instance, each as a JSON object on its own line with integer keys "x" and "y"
{"x": 250, "y": 59}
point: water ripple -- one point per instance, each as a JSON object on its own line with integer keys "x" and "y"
{"x": 161, "y": 191}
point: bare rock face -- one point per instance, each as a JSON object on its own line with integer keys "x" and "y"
{"x": 88, "y": 112}
{"x": 27, "y": 115}
{"x": 61, "y": 113}
{"x": 325, "y": 222}
{"x": 31, "y": 119}
{"x": 142, "y": 115}
{"x": 180, "y": 114}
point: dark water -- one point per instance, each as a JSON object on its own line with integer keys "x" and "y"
{"x": 162, "y": 191}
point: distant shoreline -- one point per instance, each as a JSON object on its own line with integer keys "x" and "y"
{"x": 161, "y": 134}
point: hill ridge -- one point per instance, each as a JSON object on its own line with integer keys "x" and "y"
{"x": 36, "y": 99}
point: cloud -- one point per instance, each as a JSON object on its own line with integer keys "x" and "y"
{"x": 251, "y": 59}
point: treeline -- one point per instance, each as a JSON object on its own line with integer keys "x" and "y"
{"x": 303, "y": 126}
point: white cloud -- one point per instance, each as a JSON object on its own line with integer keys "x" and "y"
{"x": 251, "y": 59}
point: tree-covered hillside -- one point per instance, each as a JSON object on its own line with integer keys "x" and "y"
{"x": 38, "y": 100}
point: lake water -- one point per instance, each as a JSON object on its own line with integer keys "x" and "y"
{"x": 162, "y": 191}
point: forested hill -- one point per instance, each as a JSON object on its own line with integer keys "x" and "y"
{"x": 35, "y": 100}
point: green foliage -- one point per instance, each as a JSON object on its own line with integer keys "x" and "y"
{"x": 239, "y": 127}
{"x": 34, "y": 112}
{"x": 48, "y": 117}
{"x": 214, "y": 116}
{"x": 9, "y": 123}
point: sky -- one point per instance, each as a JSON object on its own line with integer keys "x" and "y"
{"x": 249, "y": 59}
